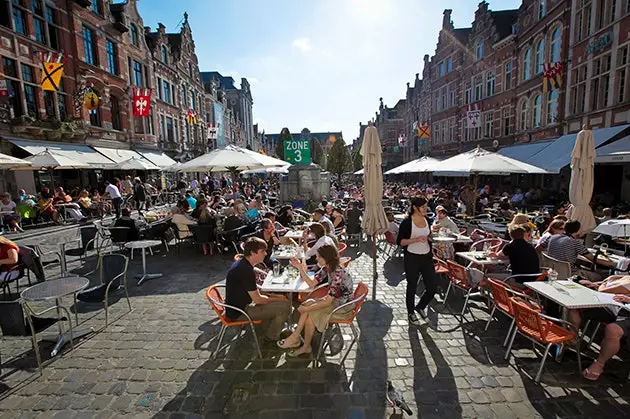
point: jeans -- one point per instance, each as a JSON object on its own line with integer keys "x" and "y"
{"x": 273, "y": 315}
{"x": 117, "y": 203}
{"x": 416, "y": 265}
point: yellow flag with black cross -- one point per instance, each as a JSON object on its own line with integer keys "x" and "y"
{"x": 52, "y": 70}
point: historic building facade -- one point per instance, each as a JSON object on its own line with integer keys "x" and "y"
{"x": 390, "y": 124}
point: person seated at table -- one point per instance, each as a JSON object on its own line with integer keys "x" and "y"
{"x": 192, "y": 201}
{"x": 338, "y": 219}
{"x": 267, "y": 233}
{"x": 46, "y": 207}
{"x": 555, "y": 227}
{"x": 205, "y": 217}
{"x": 320, "y": 217}
{"x": 241, "y": 291}
{"x": 392, "y": 226}
{"x": 353, "y": 218}
{"x": 252, "y": 211}
{"x": 182, "y": 220}
{"x": 444, "y": 221}
{"x": 331, "y": 234}
{"x": 567, "y": 247}
{"x": 72, "y": 208}
{"x": 298, "y": 203}
{"x": 217, "y": 201}
{"x": 517, "y": 198}
{"x": 126, "y": 221}
{"x": 316, "y": 313}
{"x": 285, "y": 216}
{"x": 280, "y": 229}
{"x": 521, "y": 253}
{"x": 505, "y": 210}
{"x": 10, "y": 217}
{"x": 607, "y": 215}
{"x": 86, "y": 204}
{"x": 328, "y": 209}
{"x": 26, "y": 199}
{"x": 181, "y": 207}
{"x": 320, "y": 239}
{"x": 9, "y": 254}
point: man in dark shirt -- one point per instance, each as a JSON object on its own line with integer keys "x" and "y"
{"x": 522, "y": 254}
{"x": 242, "y": 292}
{"x": 128, "y": 222}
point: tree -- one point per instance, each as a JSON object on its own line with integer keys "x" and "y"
{"x": 357, "y": 161}
{"x": 339, "y": 161}
{"x": 317, "y": 152}
{"x": 285, "y": 135}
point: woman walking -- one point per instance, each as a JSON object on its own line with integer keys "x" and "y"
{"x": 413, "y": 236}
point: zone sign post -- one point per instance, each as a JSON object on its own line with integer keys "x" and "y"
{"x": 297, "y": 151}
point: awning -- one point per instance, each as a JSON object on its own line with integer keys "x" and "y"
{"x": 558, "y": 154}
{"x": 158, "y": 158}
{"x": 119, "y": 155}
{"x": 617, "y": 152}
{"x": 78, "y": 152}
{"x": 523, "y": 152}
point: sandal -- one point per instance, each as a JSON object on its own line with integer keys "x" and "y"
{"x": 294, "y": 354}
{"x": 590, "y": 375}
{"x": 282, "y": 344}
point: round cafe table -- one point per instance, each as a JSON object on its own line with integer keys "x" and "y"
{"x": 144, "y": 245}
{"x": 55, "y": 290}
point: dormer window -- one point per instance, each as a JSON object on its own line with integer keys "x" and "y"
{"x": 164, "y": 55}
{"x": 480, "y": 49}
{"x": 133, "y": 33}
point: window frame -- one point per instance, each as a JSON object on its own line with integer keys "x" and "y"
{"x": 524, "y": 115}
{"x": 539, "y": 59}
{"x": 479, "y": 49}
{"x": 527, "y": 64}
{"x": 555, "y": 46}
{"x": 133, "y": 34}
{"x": 90, "y": 46}
{"x": 537, "y": 108}
{"x": 552, "y": 106}
{"x": 115, "y": 110}
{"x": 112, "y": 56}
{"x": 507, "y": 83}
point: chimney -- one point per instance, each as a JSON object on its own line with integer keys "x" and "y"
{"x": 407, "y": 85}
{"x": 417, "y": 76}
{"x": 447, "y": 23}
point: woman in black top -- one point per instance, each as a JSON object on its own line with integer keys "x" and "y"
{"x": 285, "y": 216}
{"x": 338, "y": 220}
{"x": 414, "y": 236}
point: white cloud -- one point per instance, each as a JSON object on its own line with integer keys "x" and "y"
{"x": 303, "y": 44}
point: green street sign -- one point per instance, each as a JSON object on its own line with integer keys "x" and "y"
{"x": 297, "y": 151}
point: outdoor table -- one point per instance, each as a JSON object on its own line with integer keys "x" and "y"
{"x": 568, "y": 294}
{"x": 452, "y": 238}
{"x": 493, "y": 227}
{"x": 55, "y": 290}
{"x": 294, "y": 234}
{"x": 479, "y": 258}
{"x": 286, "y": 251}
{"x": 289, "y": 281}
{"x": 400, "y": 217}
{"x": 608, "y": 260}
{"x": 144, "y": 244}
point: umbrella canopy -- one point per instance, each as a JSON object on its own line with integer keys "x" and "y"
{"x": 51, "y": 161}
{"x": 374, "y": 219}
{"x": 135, "y": 164}
{"x": 10, "y": 162}
{"x": 230, "y": 158}
{"x": 174, "y": 168}
{"x": 358, "y": 172}
{"x": 581, "y": 186}
{"x": 278, "y": 169}
{"x": 614, "y": 228}
{"x": 422, "y": 165}
{"x": 482, "y": 162}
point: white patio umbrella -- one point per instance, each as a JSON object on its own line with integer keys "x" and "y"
{"x": 278, "y": 169}
{"x": 614, "y": 228}
{"x": 174, "y": 168}
{"x": 581, "y": 186}
{"x": 230, "y": 158}
{"x": 50, "y": 161}
{"x": 422, "y": 165}
{"x": 358, "y": 172}
{"x": 135, "y": 164}
{"x": 374, "y": 219}
{"x": 10, "y": 162}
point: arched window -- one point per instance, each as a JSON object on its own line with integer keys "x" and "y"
{"x": 489, "y": 83}
{"x": 115, "y": 111}
{"x": 524, "y": 114}
{"x": 556, "y": 39}
{"x": 537, "y": 111}
{"x": 552, "y": 107}
{"x": 480, "y": 49}
{"x": 540, "y": 56}
{"x": 133, "y": 32}
{"x": 164, "y": 55}
{"x": 527, "y": 65}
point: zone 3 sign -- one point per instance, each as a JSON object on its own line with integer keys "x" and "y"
{"x": 297, "y": 151}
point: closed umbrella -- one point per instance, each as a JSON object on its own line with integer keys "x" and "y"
{"x": 10, "y": 162}
{"x": 374, "y": 219}
{"x": 581, "y": 186}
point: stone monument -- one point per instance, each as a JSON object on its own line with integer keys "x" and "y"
{"x": 306, "y": 181}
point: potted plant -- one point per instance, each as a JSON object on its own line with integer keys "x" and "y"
{"x": 21, "y": 123}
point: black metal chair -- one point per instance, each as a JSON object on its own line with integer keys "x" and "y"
{"x": 112, "y": 273}
{"x": 86, "y": 242}
{"x": 119, "y": 236}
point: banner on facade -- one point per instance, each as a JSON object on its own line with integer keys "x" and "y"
{"x": 141, "y": 101}
{"x": 91, "y": 101}
{"x": 424, "y": 130}
{"x": 52, "y": 70}
{"x": 402, "y": 140}
{"x": 552, "y": 76}
{"x": 473, "y": 117}
{"x": 192, "y": 117}
{"x": 212, "y": 132}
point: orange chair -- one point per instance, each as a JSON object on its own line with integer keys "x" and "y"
{"x": 218, "y": 305}
{"x": 540, "y": 329}
{"x": 501, "y": 294}
{"x": 459, "y": 278}
{"x": 441, "y": 268}
{"x": 322, "y": 289}
{"x": 360, "y": 293}
{"x": 342, "y": 249}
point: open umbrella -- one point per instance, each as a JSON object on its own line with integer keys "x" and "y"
{"x": 422, "y": 165}
{"x": 10, "y": 162}
{"x": 230, "y": 159}
{"x": 50, "y": 161}
{"x": 358, "y": 172}
{"x": 581, "y": 186}
{"x": 174, "y": 168}
{"x": 277, "y": 169}
{"x": 614, "y": 228}
{"x": 374, "y": 219}
{"x": 135, "y": 164}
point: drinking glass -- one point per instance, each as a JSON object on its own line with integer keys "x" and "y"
{"x": 603, "y": 248}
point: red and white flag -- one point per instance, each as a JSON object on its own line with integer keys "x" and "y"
{"x": 473, "y": 117}
{"x": 141, "y": 101}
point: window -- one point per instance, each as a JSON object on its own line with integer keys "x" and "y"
{"x": 441, "y": 69}
{"x": 112, "y": 60}
{"x": 90, "y": 51}
{"x": 488, "y": 119}
{"x": 30, "y": 91}
{"x": 159, "y": 88}
{"x": 451, "y": 95}
{"x": 489, "y": 83}
{"x": 622, "y": 73}
{"x": 167, "y": 91}
{"x": 578, "y": 90}
{"x": 193, "y": 102}
{"x": 524, "y": 115}
{"x": 468, "y": 92}
{"x": 19, "y": 19}
{"x": 61, "y": 103}
{"x": 514, "y": 28}
{"x": 38, "y": 21}
{"x": 508, "y": 76}
{"x": 479, "y": 49}
{"x": 137, "y": 74}
{"x": 97, "y": 7}
{"x": 49, "y": 104}
{"x": 133, "y": 33}
{"x": 542, "y": 9}
{"x": 506, "y": 121}
{"x": 552, "y": 107}
{"x": 443, "y": 98}
{"x": 537, "y": 111}
{"x": 114, "y": 105}
{"x": 527, "y": 64}
{"x": 162, "y": 128}
{"x": 612, "y": 11}
{"x": 556, "y": 38}
{"x": 449, "y": 65}
{"x": 184, "y": 96}
{"x": 540, "y": 56}
{"x": 164, "y": 55}
{"x": 600, "y": 82}
{"x": 478, "y": 88}
{"x": 53, "y": 29}
{"x": 190, "y": 72}
{"x": 601, "y": 14}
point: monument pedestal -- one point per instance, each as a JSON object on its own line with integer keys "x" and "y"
{"x": 305, "y": 181}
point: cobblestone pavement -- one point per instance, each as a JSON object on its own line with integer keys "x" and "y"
{"x": 155, "y": 361}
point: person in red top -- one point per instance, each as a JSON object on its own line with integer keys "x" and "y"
{"x": 8, "y": 259}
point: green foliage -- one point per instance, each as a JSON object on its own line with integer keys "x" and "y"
{"x": 285, "y": 135}
{"x": 339, "y": 158}
{"x": 317, "y": 152}
{"x": 357, "y": 161}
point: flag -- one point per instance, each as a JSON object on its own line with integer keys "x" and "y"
{"x": 473, "y": 116}
{"x": 401, "y": 140}
{"x": 212, "y": 132}
{"x": 424, "y": 130}
{"x": 52, "y": 70}
{"x": 552, "y": 76}
{"x": 192, "y": 117}
{"x": 141, "y": 101}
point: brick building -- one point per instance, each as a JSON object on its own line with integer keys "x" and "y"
{"x": 390, "y": 124}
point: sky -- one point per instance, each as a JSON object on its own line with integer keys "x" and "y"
{"x": 316, "y": 64}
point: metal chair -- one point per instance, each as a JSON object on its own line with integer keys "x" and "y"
{"x": 119, "y": 236}
{"x": 360, "y": 293}
{"x": 112, "y": 272}
{"x": 459, "y": 278}
{"x": 218, "y": 305}
{"x": 563, "y": 268}
{"x": 494, "y": 244}
{"x": 541, "y": 329}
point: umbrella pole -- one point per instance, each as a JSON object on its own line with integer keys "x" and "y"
{"x": 374, "y": 274}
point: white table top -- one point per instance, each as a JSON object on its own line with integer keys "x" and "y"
{"x": 470, "y": 256}
{"x": 289, "y": 281}
{"x": 285, "y": 252}
{"x": 142, "y": 244}
{"x": 455, "y": 238}
{"x": 294, "y": 234}
{"x": 608, "y": 260}
{"x": 568, "y": 294}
